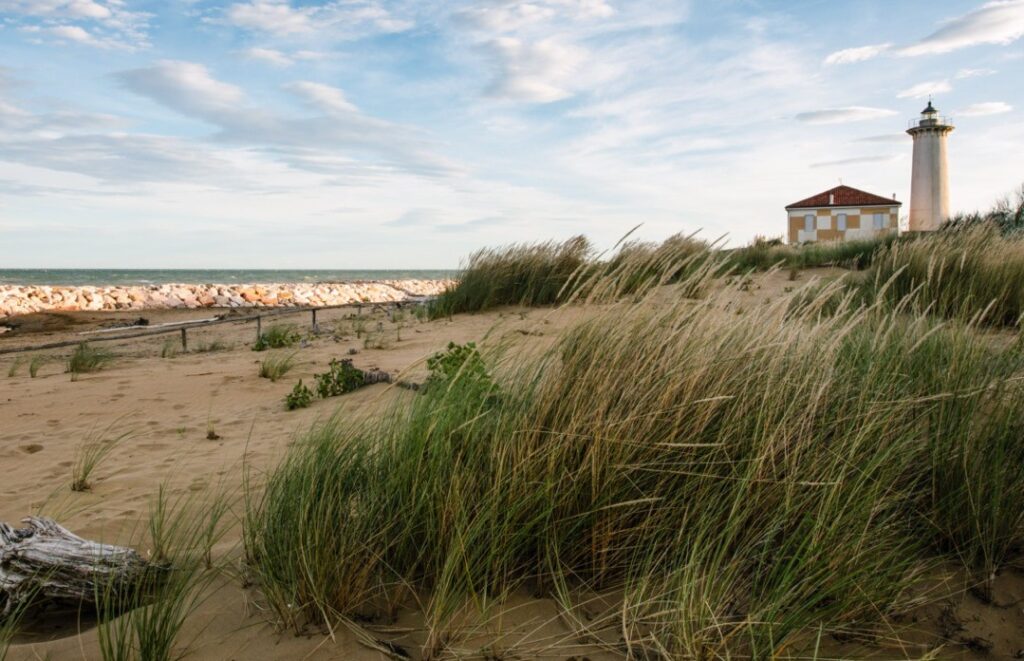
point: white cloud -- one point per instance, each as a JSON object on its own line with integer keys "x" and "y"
{"x": 269, "y": 55}
{"x": 857, "y": 160}
{"x": 539, "y": 72}
{"x": 928, "y": 88}
{"x": 859, "y": 54}
{"x": 279, "y": 58}
{"x": 338, "y": 19}
{"x": 973, "y": 73}
{"x": 844, "y": 115}
{"x": 999, "y": 22}
{"x": 110, "y": 24}
{"x": 329, "y": 99}
{"x": 340, "y": 138}
{"x": 986, "y": 108}
{"x": 185, "y": 86}
{"x": 67, "y": 9}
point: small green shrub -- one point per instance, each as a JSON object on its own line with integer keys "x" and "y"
{"x": 88, "y": 359}
{"x": 299, "y": 398}
{"x": 275, "y": 366}
{"x": 34, "y": 365}
{"x": 458, "y": 360}
{"x": 340, "y": 378}
{"x": 278, "y": 336}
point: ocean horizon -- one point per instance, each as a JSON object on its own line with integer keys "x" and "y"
{"x": 113, "y": 277}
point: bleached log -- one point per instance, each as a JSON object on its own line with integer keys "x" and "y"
{"x": 46, "y": 562}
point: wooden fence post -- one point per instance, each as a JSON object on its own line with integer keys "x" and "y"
{"x": 316, "y": 329}
{"x": 259, "y": 327}
{"x": 184, "y": 341}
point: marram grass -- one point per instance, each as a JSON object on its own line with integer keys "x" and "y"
{"x": 742, "y": 482}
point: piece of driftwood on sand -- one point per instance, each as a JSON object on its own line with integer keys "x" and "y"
{"x": 45, "y": 562}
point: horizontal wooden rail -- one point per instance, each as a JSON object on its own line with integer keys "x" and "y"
{"x": 183, "y": 326}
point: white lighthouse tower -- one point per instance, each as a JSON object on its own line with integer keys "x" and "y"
{"x": 929, "y": 184}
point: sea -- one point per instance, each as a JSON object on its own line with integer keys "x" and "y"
{"x": 111, "y": 277}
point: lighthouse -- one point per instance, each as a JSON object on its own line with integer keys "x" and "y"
{"x": 929, "y": 184}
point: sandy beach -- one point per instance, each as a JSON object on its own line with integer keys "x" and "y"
{"x": 171, "y": 404}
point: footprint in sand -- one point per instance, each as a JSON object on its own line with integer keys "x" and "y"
{"x": 178, "y": 407}
{"x": 31, "y": 448}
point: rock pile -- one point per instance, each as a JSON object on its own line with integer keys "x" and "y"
{"x": 23, "y": 299}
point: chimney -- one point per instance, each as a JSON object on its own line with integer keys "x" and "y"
{"x": 831, "y": 199}
{"x": 894, "y": 197}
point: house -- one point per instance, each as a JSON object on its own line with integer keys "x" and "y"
{"x": 840, "y": 214}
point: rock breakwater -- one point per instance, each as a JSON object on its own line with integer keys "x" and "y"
{"x": 24, "y": 299}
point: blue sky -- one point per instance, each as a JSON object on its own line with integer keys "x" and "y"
{"x": 405, "y": 134}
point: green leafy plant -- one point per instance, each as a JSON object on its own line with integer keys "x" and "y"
{"x": 278, "y": 336}
{"x": 340, "y": 378}
{"x": 299, "y": 398}
{"x": 275, "y": 366}
{"x": 457, "y": 361}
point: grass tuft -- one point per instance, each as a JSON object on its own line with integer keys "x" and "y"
{"x": 278, "y": 336}
{"x": 93, "y": 450}
{"x": 87, "y": 358}
{"x": 276, "y": 365}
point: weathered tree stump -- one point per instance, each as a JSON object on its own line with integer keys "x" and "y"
{"x": 45, "y": 562}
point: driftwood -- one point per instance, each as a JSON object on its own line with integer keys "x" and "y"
{"x": 45, "y": 562}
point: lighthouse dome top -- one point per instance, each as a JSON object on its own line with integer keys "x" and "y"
{"x": 929, "y": 109}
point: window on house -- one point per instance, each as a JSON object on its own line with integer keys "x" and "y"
{"x": 879, "y": 221}
{"x": 841, "y": 222}
{"x": 809, "y": 222}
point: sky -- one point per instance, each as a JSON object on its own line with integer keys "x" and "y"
{"x": 405, "y": 134}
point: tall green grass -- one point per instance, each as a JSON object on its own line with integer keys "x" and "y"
{"x": 742, "y": 482}
{"x": 523, "y": 274}
{"x": 959, "y": 275}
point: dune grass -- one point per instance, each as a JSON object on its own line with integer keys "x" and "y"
{"x": 744, "y": 482}
{"x": 763, "y": 254}
{"x": 87, "y": 358}
{"x": 91, "y": 453}
{"x": 276, "y": 365}
{"x": 522, "y": 274}
{"x": 35, "y": 363}
{"x": 12, "y": 370}
{"x": 145, "y": 621}
{"x": 278, "y": 336}
{"x": 957, "y": 275}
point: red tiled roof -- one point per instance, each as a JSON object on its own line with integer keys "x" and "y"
{"x": 843, "y": 196}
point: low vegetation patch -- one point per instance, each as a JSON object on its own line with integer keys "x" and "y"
{"x": 299, "y": 398}
{"x": 341, "y": 377}
{"x": 276, "y": 365}
{"x": 87, "y": 358}
{"x": 278, "y": 336}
